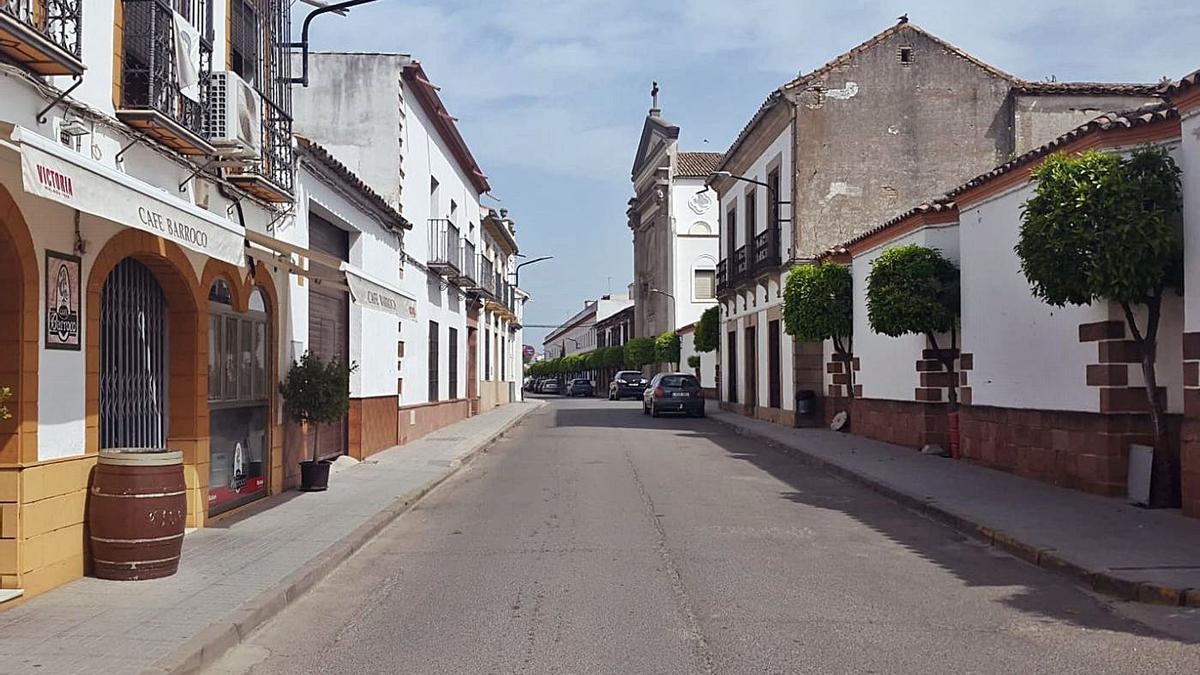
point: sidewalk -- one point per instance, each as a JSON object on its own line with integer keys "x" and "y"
{"x": 1114, "y": 548}
{"x": 236, "y": 575}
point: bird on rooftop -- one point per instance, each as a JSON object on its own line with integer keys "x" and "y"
{"x": 903, "y": 18}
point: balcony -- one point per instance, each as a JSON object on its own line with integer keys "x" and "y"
{"x": 766, "y": 251}
{"x": 488, "y": 279}
{"x": 43, "y": 35}
{"x": 445, "y": 247}
{"x": 151, "y": 98}
{"x": 467, "y": 275}
{"x": 272, "y": 177}
{"x": 722, "y": 276}
{"x": 741, "y": 265}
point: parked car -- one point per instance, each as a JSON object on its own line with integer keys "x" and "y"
{"x": 580, "y": 387}
{"x": 549, "y": 387}
{"x": 673, "y": 392}
{"x": 626, "y": 383}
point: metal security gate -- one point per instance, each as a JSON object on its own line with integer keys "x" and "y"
{"x": 133, "y": 359}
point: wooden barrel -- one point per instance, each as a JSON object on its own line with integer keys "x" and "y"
{"x": 136, "y": 513}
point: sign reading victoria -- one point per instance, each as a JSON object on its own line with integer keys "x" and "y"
{"x": 62, "y": 301}
{"x": 58, "y": 174}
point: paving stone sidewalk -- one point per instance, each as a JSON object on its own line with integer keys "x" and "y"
{"x": 238, "y": 574}
{"x": 1113, "y": 547}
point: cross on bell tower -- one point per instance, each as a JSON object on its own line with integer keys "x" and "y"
{"x": 654, "y": 109}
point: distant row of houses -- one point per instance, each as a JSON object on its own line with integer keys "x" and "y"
{"x": 179, "y": 221}
{"x": 864, "y": 154}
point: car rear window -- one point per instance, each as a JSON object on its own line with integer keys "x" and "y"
{"x": 629, "y": 375}
{"x": 680, "y": 381}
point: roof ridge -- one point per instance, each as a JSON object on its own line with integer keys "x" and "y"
{"x": 327, "y": 158}
{"x": 884, "y": 35}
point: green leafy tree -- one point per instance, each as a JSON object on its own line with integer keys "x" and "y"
{"x": 595, "y": 359}
{"x": 316, "y": 392}
{"x": 614, "y": 357}
{"x": 639, "y": 352}
{"x": 693, "y": 361}
{"x": 818, "y": 305}
{"x": 667, "y": 347}
{"x": 707, "y": 337}
{"x": 1101, "y": 227}
{"x": 915, "y": 290}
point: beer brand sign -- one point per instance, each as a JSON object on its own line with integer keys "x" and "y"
{"x": 62, "y": 301}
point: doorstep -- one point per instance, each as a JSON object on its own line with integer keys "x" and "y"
{"x": 239, "y": 573}
{"x": 1110, "y": 546}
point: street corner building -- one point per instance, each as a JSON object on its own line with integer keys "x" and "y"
{"x": 168, "y": 247}
{"x": 841, "y": 149}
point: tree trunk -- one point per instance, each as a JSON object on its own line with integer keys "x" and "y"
{"x": 1164, "y": 471}
{"x": 947, "y": 361}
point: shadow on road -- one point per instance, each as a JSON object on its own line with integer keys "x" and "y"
{"x": 1033, "y": 590}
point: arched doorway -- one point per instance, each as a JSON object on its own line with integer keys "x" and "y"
{"x": 18, "y": 327}
{"x": 239, "y": 393}
{"x": 134, "y": 361}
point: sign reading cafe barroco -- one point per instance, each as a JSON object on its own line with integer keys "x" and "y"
{"x": 91, "y": 187}
{"x": 373, "y": 295}
{"x": 62, "y": 301}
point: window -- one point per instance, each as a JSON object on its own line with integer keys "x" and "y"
{"x": 731, "y": 231}
{"x": 503, "y": 361}
{"x": 705, "y": 283}
{"x": 700, "y": 228}
{"x": 773, "y": 195}
{"x": 245, "y": 43}
{"x": 452, "y": 340}
{"x": 751, "y": 215}
{"x": 433, "y": 197}
{"x": 906, "y": 55}
{"x": 435, "y": 343}
{"x": 237, "y": 348}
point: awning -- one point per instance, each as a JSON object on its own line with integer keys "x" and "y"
{"x": 379, "y": 297}
{"x": 55, "y": 172}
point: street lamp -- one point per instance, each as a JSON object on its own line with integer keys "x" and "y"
{"x": 770, "y": 191}
{"x": 517, "y": 269}
{"x": 672, "y": 311}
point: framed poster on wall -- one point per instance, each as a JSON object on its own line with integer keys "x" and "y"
{"x": 62, "y": 301}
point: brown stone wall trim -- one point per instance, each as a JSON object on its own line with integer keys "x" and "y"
{"x": 1191, "y": 346}
{"x": 1080, "y": 450}
{"x": 1107, "y": 375}
{"x": 1118, "y": 351}
{"x": 415, "y": 421}
{"x": 1101, "y": 330}
{"x": 908, "y": 423}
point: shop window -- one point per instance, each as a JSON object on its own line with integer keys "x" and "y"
{"x": 452, "y": 358}
{"x": 238, "y": 393}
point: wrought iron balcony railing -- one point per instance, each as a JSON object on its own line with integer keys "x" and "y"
{"x": 766, "y": 250}
{"x": 151, "y": 97}
{"x": 272, "y": 177}
{"x": 722, "y": 276}
{"x": 45, "y": 36}
{"x": 468, "y": 269}
{"x": 487, "y": 278}
{"x": 445, "y": 247}
{"x": 741, "y": 264}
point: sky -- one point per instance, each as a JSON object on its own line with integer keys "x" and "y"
{"x": 551, "y": 94}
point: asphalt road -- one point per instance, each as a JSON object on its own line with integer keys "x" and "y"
{"x": 594, "y": 539}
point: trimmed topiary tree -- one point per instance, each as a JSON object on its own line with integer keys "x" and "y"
{"x": 614, "y": 357}
{"x": 639, "y": 352}
{"x": 915, "y": 290}
{"x": 1101, "y": 227}
{"x": 818, "y": 305}
{"x": 707, "y": 337}
{"x": 693, "y": 361}
{"x": 316, "y": 392}
{"x": 667, "y": 347}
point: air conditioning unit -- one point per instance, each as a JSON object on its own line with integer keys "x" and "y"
{"x": 234, "y": 118}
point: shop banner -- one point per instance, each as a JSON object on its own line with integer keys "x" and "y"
{"x": 53, "y": 172}
{"x": 370, "y": 294}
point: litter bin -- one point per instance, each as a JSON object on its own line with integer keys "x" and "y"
{"x": 807, "y": 408}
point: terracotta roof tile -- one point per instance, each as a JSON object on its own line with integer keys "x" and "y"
{"x": 1086, "y": 88}
{"x": 321, "y": 155}
{"x": 936, "y": 206}
{"x": 697, "y": 164}
{"x": 1183, "y": 84}
{"x": 1148, "y": 114}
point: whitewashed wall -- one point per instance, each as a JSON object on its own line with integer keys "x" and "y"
{"x": 1189, "y": 161}
{"x": 692, "y": 250}
{"x": 888, "y": 364}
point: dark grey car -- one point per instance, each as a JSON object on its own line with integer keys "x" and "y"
{"x": 673, "y": 392}
{"x": 626, "y": 383}
{"x": 580, "y": 387}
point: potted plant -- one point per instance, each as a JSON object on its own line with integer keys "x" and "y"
{"x": 5, "y": 394}
{"x": 316, "y": 392}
